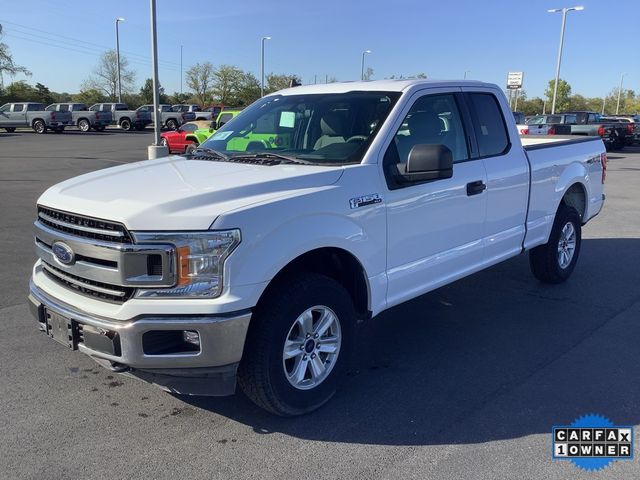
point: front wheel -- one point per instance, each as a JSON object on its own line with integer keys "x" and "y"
{"x": 191, "y": 148}
{"x": 554, "y": 261}
{"x": 298, "y": 345}
{"x": 84, "y": 126}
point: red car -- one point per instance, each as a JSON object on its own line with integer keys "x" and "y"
{"x": 176, "y": 141}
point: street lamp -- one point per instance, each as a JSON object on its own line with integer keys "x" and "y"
{"x": 619, "y": 92}
{"x": 262, "y": 66}
{"x": 362, "y": 65}
{"x": 564, "y": 21}
{"x": 118, "y": 20}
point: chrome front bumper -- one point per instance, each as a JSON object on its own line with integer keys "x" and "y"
{"x": 209, "y": 371}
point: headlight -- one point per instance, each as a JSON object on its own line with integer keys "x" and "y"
{"x": 200, "y": 258}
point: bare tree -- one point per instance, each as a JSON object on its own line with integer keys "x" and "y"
{"x": 368, "y": 74}
{"x": 200, "y": 79}
{"x": 105, "y": 76}
{"x": 7, "y": 65}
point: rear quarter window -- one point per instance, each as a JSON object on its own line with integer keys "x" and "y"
{"x": 489, "y": 124}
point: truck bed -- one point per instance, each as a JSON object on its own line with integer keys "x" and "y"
{"x": 535, "y": 142}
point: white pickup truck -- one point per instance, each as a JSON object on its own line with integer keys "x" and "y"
{"x": 316, "y": 208}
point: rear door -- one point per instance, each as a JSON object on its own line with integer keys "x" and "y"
{"x": 18, "y": 115}
{"x": 434, "y": 229}
{"x": 507, "y": 171}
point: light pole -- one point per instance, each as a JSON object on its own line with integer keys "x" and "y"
{"x": 362, "y": 65}
{"x": 564, "y": 21}
{"x": 465, "y": 73}
{"x": 262, "y": 66}
{"x": 181, "y": 71}
{"x": 118, "y": 20}
{"x": 619, "y": 92}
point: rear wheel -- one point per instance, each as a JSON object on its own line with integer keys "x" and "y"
{"x": 39, "y": 127}
{"x": 83, "y": 125}
{"x": 191, "y": 148}
{"x": 172, "y": 124}
{"x": 10, "y": 129}
{"x": 554, "y": 261}
{"x": 298, "y": 345}
{"x": 125, "y": 124}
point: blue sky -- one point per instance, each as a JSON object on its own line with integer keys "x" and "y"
{"x": 442, "y": 39}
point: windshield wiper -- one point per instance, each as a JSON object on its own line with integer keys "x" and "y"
{"x": 275, "y": 156}
{"x": 211, "y": 152}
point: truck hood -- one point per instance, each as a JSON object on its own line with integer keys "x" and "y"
{"x": 174, "y": 193}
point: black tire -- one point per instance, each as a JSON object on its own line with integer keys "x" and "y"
{"x": 83, "y": 125}
{"x": 172, "y": 124}
{"x": 39, "y": 127}
{"x": 125, "y": 124}
{"x": 262, "y": 376}
{"x": 10, "y": 129}
{"x": 545, "y": 260}
{"x": 191, "y": 148}
{"x": 58, "y": 130}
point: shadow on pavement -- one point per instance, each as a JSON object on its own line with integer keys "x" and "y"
{"x": 494, "y": 356}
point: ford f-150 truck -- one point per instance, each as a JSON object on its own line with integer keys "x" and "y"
{"x": 81, "y": 117}
{"x": 196, "y": 110}
{"x": 255, "y": 259}
{"x": 123, "y": 117}
{"x": 32, "y": 114}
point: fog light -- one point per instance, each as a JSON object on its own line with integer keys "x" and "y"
{"x": 192, "y": 337}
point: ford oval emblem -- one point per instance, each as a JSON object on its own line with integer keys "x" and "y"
{"x": 63, "y": 253}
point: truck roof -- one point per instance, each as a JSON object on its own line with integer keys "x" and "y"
{"x": 380, "y": 85}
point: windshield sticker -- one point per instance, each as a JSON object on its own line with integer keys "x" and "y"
{"x": 365, "y": 200}
{"x": 287, "y": 119}
{"x": 221, "y": 135}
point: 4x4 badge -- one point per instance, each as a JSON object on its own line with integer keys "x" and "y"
{"x": 365, "y": 200}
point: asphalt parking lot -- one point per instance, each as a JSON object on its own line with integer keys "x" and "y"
{"x": 464, "y": 382}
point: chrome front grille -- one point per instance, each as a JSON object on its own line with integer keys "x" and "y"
{"x": 111, "y": 269}
{"x": 82, "y": 226}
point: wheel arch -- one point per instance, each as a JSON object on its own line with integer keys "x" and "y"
{"x": 576, "y": 196}
{"x": 334, "y": 262}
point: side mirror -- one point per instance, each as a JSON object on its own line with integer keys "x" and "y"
{"x": 220, "y": 124}
{"x": 429, "y": 162}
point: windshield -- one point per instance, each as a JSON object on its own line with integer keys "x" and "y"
{"x": 331, "y": 128}
{"x": 537, "y": 120}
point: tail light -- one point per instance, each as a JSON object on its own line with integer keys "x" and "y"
{"x": 137, "y": 114}
{"x": 551, "y": 131}
{"x": 53, "y": 115}
{"x": 603, "y": 161}
{"x": 524, "y": 131}
{"x": 630, "y": 128}
{"x": 601, "y": 131}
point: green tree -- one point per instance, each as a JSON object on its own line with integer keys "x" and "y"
{"x": 200, "y": 78}
{"x": 89, "y": 96}
{"x": 7, "y": 65}
{"x": 562, "y": 97}
{"x": 368, "y": 74}
{"x": 43, "y": 94}
{"x": 146, "y": 92}
{"x": 105, "y": 76}
{"x": 178, "y": 97}
{"x": 226, "y": 79}
{"x": 20, "y": 92}
{"x": 279, "y": 82}
{"x": 248, "y": 90}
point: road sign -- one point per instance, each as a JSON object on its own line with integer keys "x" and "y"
{"x": 514, "y": 80}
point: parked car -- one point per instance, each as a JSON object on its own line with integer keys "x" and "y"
{"x": 613, "y": 134}
{"x": 551, "y": 124}
{"x": 633, "y": 127}
{"x": 257, "y": 261}
{"x": 177, "y": 140}
{"x": 196, "y": 110}
{"x": 198, "y": 136}
{"x": 123, "y": 117}
{"x": 32, "y": 114}
{"x": 171, "y": 119}
{"x": 520, "y": 123}
{"x": 82, "y": 118}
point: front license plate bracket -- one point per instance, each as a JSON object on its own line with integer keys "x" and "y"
{"x": 63, "y": 330}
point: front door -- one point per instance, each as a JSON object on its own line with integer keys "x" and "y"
{"x": 435, "y": 228}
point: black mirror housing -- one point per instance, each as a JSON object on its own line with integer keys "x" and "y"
{"x": 429, "y": 162}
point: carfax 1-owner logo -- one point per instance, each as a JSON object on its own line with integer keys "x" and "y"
{"x": 592, "y": 442}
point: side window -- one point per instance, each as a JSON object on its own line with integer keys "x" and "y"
{"x": 225, "y": 117}
{"x": 106, "y": 107}
{"x": 64, "y": 108}
{"x": 35, "y": 107}
{"x": 433, "y": 119}
{"x": 491, "y": 132}
{"x": 51, "y": 108}
{"x": 18, "y": 107}
{"x": 5, "y": 108}
{"x": 95, "y": 108}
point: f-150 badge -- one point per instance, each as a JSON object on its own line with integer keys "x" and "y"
{"x": 365, "y": 200}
